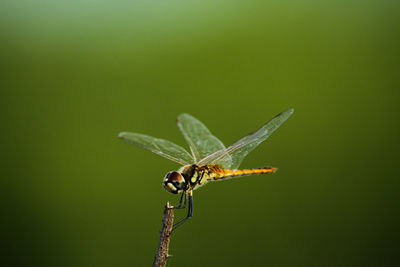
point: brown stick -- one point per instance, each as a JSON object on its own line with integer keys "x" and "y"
{"x": 165, "y": 236}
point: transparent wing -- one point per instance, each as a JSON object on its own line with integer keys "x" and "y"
{"x": 239, "y": 150}
{"x": 161, "y": 147}
{"x": 201, "y": 142}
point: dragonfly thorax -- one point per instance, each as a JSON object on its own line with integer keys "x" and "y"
{"x": 174, "y": 182}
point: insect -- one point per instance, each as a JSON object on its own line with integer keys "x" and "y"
{"x": 209, "y": 159}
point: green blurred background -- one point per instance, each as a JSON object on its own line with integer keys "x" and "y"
{"x": 76, "y": 73}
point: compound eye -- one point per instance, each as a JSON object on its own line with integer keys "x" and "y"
{"x": 174, "y": 182}
{"x": 174, "y": 177}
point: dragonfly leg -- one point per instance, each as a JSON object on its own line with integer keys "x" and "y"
{"x": 190, "y": 212}
{"x": 180, "y": 202}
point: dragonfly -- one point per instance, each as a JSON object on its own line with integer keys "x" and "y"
{"x": 208, "y": 160}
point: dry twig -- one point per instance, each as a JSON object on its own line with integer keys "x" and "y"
{"x": 165, "y": 237}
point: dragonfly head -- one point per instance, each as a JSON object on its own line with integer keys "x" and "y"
{"x": 174, "y": 182}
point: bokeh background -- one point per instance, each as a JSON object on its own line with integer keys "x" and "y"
{"x": 76, "y": 73}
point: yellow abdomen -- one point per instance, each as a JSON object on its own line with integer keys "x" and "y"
{"x": 217, "y": 173}
{"x": 225, "y": 173}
